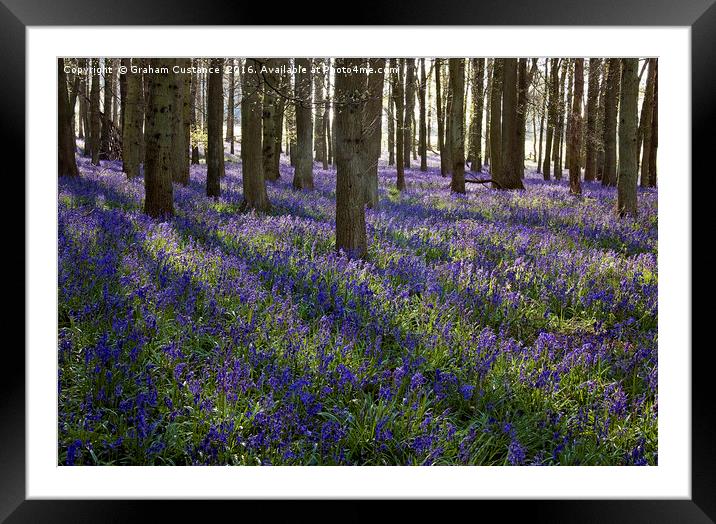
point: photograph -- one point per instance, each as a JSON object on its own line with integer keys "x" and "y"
{"x": 332, "y": 261}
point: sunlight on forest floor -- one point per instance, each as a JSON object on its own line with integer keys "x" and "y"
{"x": 492, "y": 328}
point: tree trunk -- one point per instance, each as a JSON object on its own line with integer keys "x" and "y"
{"x": 409, "y": 109}
{"x": 496, "y": 122}
{"x": 422, "y": 135}
{"x": 318, "y": 124}
{"x": 66, "y": 163}
{"x": 441, "y": 127}
{"x": 478, "y": 99}
{"x": 627, "y": 171}
{"x": 215, "y": 119}
{"x": 649, "y": 104}
{"x": 255, "y": 196}
{"x": 523, "y": 80}
{"x": 180, "y": 151}
{"x": 559, "y": 131}
{"x": 611, "y": 104}
{"x": 373, "y": 119}
{"x": 230, "y": 107}
{"x": 457, "y": 118}
{"x": 553, "y": 107}
{"x": 391, "y": 119}
{"x": 194, "y": 95}
{"x": 575, "y": 146}
{"x": 106, "y": 117}
{"x": 488, "y": 93}
{"x": 541, "y": 118}
{"x": 159, "y": 192}
{"x": 303, "y": 174}
{"x": 599, "y": 131}
{"x": 350, "y": 142}
{"x": 270, "y": 111}
{"x": 83, "y": 131}
{"x": 654, "y": 128}
{"x": 590, "y": 168}
{"x": 95, "y": 117}
{"x": 509, "y": 175}
{"x": 133, "y": 118}
{"x": 399, "y": 133}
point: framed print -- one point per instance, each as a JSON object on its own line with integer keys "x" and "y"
{"x": 304, "y": 248}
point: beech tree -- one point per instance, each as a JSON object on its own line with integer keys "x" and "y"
{"x": 373, "y": 118}
{"x": 592, "y": 140}
{"x": 478, "y": 101}
{"x": 552, "y": 110}
{"x": 422, "y": 138}
{"x": 95, "y": 116}
{"x": 159, "y": 192}
{"x": 575, "y": 140}
{"x": 457, "y": 118}
{"x": 398, "y": 101}
{"x": 611, "y": 104}
{"x": 254, "y": 185}
{"x": 628, "y": 150}
{"x": 66, "y": 163}
{"x": 509, "y": 175}
{"x": 231, "y": 92}
{"x": 132, "y": 119}
{"x": 649, "y": 101}
{"x": 319, "y": 127}
{"x": 496, "y": 123}
{"x": 409, "y": 109}
{"x": 270, "y": 120}
{"x": 350, "y": 142}
{"x": 215, "y": 120}
{"x": 303, "y": 174}
{"x": 439, "y": 109}
{"x": 654, "y": 128}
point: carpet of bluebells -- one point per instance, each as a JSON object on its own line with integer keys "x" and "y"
{"x": 494, "y": 328}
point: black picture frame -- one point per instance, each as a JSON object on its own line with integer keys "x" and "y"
{"x": 699, "y": 15}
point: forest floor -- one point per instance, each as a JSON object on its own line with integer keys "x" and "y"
{"x": 492, "y": 328}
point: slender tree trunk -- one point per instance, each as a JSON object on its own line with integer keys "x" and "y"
{"x": 611, "y": 104}
{"x": 254, "y": 185}
{"x": 133, "y": 118}
{"x": 399, "y": 132}
{"x": 478, "y": 103}
{"x": 648, "y": 118}
{"x": 541, "y": 118}
{"x": 599, "y": 131}
{"x": 159, "y": 191}
{"x": 488, "y": 95}
{"x": 441, "y": 127}
{"x": 627, "y": 171}
{"x": 523, "y": 81}
{"x": 373, "y": 119}
{"x": 83, "y": 132}
{"x": 350, "y": 142}
{"x": 180, "y": 153}
{"x": 590, "y": 168}
{"x": 284, "y": 87}
{"x": 106, "y": 116}
{"x": 303, "y": 174}
{"x": 552, "y": 117}
{"x": 230, "y": 107}
{"x": 654, "y": 129}
{"x": 194, "y": 95}
{"x": 575, "y": 146}
{"x": 95, "y": 117}
{"x": 409, "y": 109}
{"x": 186, "y": 115}
{"x": 318, "y": 124}
{"x": 215, "y": 119}
{"x": 496, "y": 122}
{"x": 422, "y": 136}
{"x": 391, "y": 118}
{"x": 66, "y": 163}
{"x": 457, "y": 118}
{"x": 559, "y": 132}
